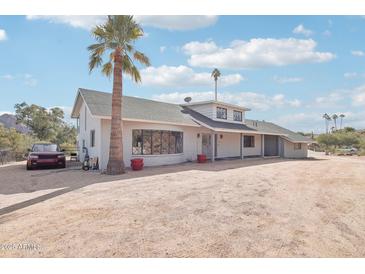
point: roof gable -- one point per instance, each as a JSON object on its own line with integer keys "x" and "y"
{"x": 100, "y": 105}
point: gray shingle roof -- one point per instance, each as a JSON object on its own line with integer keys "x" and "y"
{"x": 250, "y": 125}
{"x": 273, "y": 128}
{"x": 100, "y": 104}
{"x": 135, "y": 108}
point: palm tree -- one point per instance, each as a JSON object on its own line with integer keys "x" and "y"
{"x": 334, "y": 118}
{"x": 341, "y": 118}
{"x": 327, "y": 118}
{"x": 116, "y": 37}
{"x": 216, "y": 74}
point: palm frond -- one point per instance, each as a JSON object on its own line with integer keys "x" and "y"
{"x": 117, "y": 35}
{"x": 107, "y": 69}
{"x": 95, "y": 61}
{"x": 130, "y": 69}
{"x": 142, "y": 58}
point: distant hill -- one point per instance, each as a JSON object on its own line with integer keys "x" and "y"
{"x": 9, "y": 121}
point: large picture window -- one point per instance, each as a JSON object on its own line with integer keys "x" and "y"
{"x": 249, "y": 141}
{"x": 221, "y": 113}
{"x": 152, "y": 142}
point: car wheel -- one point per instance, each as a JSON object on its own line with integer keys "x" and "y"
{"x": 29, "y": 168}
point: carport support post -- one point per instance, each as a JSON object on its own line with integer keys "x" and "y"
{"x": 241, "y": 146}
{"x": 262, "y": 145}
{"x": 213, "y": 146}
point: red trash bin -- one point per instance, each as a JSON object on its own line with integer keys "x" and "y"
{"x": 202, "y": 158}
{"x": 137, "y": 164}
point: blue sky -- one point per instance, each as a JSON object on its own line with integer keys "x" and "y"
{"x": 287, "y": 69}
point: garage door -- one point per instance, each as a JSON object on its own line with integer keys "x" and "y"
{"x": 271, "y": 145}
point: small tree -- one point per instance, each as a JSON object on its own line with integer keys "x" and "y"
{"x": 328, "y": 141}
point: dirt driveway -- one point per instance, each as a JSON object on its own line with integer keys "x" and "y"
{"x": 250, "y": 208}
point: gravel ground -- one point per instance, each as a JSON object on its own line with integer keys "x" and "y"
{"x": 250, "y": 208}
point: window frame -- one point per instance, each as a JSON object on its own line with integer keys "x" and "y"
{"x": 297, "y": 146}
{"x": 225, "y": 112}
{"x": 178, "y": 135}
{"x": 92, "y": 138}
{"x": 241, "y": 116}
{"x": 252, "y": 141}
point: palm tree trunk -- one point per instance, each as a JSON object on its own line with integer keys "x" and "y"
{"x": 216, "y": 89}
{"x": 116, "y": 164}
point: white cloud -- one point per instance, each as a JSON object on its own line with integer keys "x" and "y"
{"x": 7, "y": 77}
{"x": 353, "y": 75}
{"x": 358, "y": 96}
{"x": 302, "y": 121}
{"x": 3, "y": 35}
{"x": 170, "y": 22}
{"x": 330, "y": 100}
{"x": 285, "y": 80}
{"x": 170, "y": 76}
{"x": 29, "y": 80}
{"x": 295, "y": 103}
{"x": 355, "y": 96}
{"x": 162, "y": 49}
{"x": 77, "y": 21}
{"x": 196, "y": 47}
{"x": 313, "y": 121}
{"x": 300, "y": 29}
{"x": 350, "y": 75}
{"x": 253, "y": 100}
{"x": 177, "y": 22}
{"x": 255, "y": 53}
{"x": 358, "y": 53}
{"x": 327, "y": 33}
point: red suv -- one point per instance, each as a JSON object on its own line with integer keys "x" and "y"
{"x": 46, "y": 155}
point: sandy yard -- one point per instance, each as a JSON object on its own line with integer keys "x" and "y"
{"x": 250, "y": 208}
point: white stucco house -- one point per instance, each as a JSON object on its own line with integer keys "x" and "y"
{"x": 165, "y": 133}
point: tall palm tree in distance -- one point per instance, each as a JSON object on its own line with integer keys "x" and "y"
{"x": 334, "y": 118}
{"x": 341, "y": 118}
{"x": 116, "y": 37}
{"x": 216, "y": 74}
{"x": 327, "y": 119}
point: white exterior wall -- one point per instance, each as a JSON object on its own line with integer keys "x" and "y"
{"x": 88, "y": 123}
{"x": 252, "y": 151}
{"x": 229, "y": 114}
{"x": 289, "y": 151}
{"x": 229, "y": 145}
{"x": 190, "y": 144}
{"x": 210, "y": 110}
{"x": 207, "y": 110}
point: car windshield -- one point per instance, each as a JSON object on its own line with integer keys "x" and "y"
{"x": 45, "y": 148}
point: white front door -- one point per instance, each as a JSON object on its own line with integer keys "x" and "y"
{"x": 207, "y": 144}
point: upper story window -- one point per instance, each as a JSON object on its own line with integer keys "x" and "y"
{"x": 221, "y": 113}
{"x": 237, "y": 115}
